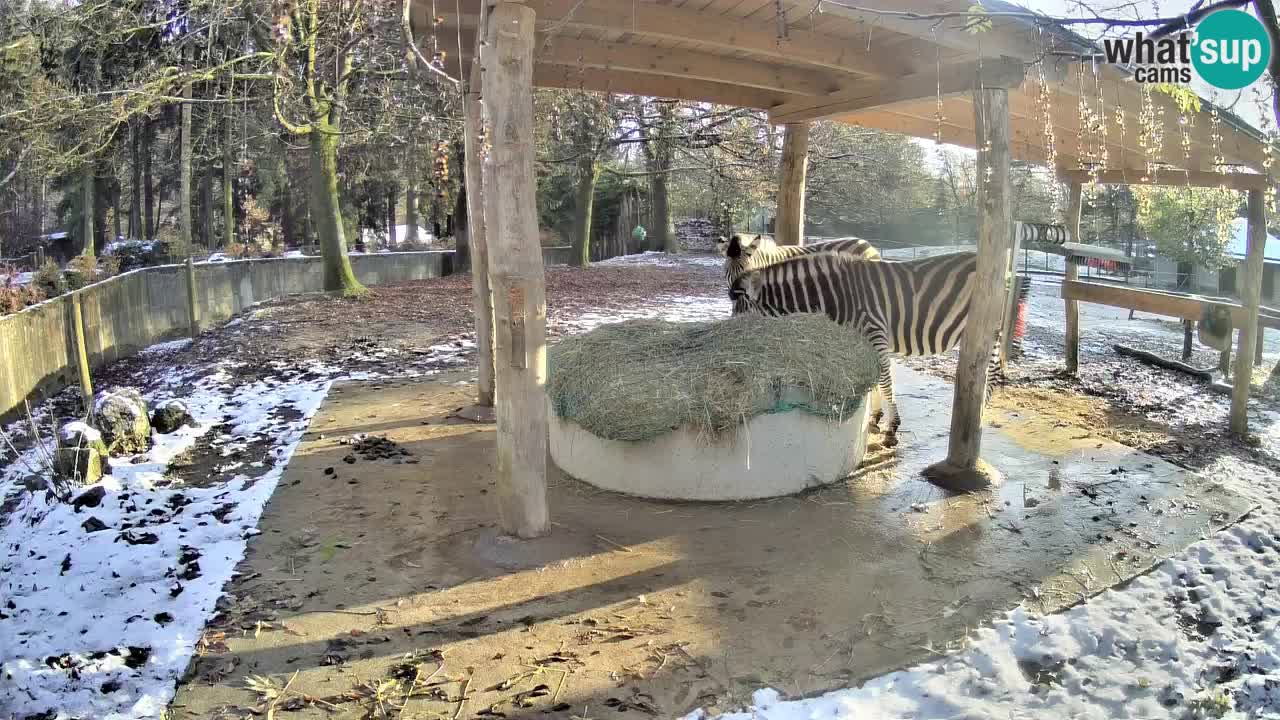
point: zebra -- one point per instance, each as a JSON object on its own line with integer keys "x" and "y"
{"x": 746, "y": 252}
{"x": 911, "y": 308}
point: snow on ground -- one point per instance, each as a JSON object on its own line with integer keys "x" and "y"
{"x": 1199, "y": 636}
{"x": 105, "y": 598}
{"x": 672, "y": 308}
{"x": 98, "y": 619}
{"x": 662, "y": 259}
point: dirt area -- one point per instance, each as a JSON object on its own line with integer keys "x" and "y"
{"x": 380, "y": 584}
{"x": 389, "y": 567}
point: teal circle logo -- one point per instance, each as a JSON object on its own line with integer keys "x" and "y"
{"x": 1231, "y": 49}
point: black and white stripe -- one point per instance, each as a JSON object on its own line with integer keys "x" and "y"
{"x": 910, "y": 308}
{"x": 749, "y": 252}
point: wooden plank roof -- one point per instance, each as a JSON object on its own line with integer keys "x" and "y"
{"x": 832, "y": 59}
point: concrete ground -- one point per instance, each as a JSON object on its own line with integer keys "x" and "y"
{"x": 380, "y": 584}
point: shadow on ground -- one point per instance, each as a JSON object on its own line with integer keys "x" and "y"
{"x": 377, "y": 566}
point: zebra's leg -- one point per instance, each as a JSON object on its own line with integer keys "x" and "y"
{"x": 877, "y": 409}
{"x": 995, "y": 371}
{"x": 890, "y": 405}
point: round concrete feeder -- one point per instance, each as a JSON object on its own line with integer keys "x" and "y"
{"x": 772, "y": 454}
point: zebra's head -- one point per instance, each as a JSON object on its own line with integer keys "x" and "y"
{"x": 742, "y": 246}
{"x": 744, "y": 293}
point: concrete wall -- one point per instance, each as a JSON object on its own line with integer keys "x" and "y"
{"x": 129, "y": 312}
{"x": 557, "y": 255}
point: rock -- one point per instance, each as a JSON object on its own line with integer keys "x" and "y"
{"x": 79, "y": 457}
{"x": 169, "y": 416}
{"x": 93, "y": 524}
{"x": 121, "y": 415}
{"x": 90, "y": 499}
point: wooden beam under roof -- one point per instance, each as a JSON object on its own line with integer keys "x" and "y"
{"x": 742, "y": 37}
{"x": 685, "y": 64}
{"x": 630, "y": 83}
{"x": 998, "y": 73}
{"x": 1006, "y": 37}
{"x": 1170, "y": 176}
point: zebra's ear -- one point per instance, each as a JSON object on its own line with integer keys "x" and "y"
{"x": 751, "y": 244}
{"x": 722, "y": 245}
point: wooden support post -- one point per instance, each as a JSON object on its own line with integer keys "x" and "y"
{"x": 1074, "y": 203}
{"x": 515, "y": 271}
{"x": 193, "y": 318}
{"x": 1224, "y": 359}
{"x": 82, "y": 352}
{"x": 1250, "y": 298}
{"x": 962, "y": 470}
{"x": 1010, "y": 321}
{"x": 481, "y": 295}
{"x": 791, "y": 179}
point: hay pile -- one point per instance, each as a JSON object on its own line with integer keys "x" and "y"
{"x": 639, "y": 379}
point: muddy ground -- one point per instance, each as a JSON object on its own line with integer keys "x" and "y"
{"x": 423, "y": 327}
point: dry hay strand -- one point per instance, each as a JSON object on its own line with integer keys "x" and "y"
{"x": 639, "y": 379}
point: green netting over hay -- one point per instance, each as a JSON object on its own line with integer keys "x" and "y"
{"x": 639, "y": 379}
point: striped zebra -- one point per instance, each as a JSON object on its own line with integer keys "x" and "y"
{"x": 912, "y": 308}
{"x": 748, "y": 252}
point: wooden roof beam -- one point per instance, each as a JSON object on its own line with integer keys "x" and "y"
{"x": 1006, "y": 37}
{"x": 646, "y": 19}
{"x": 684, "y": 64}
{"x": 1170, "y": 177}
{"x": 1001, "y": 73}
{"x": 630, "y": 83}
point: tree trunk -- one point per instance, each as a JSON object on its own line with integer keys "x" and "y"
{"x": 206, "y": 207}
{"x": 461, "y": 233}
{"x": 136, "y": 230}
{"x": 150, "y": 207}
{"x": 411, "y": 197}
{"x": 86, "y": 209}
{"x": 1187, "y": 335}
{"x": 391, "y": 218}
{"x": 116, "y": 219}
{"x": 101, "y": 207}
{"x": 228, "y": 187}
{"x": 1184, "y": 275}
{"x": 588, "y": 172}
{"x": 664, "y": 230}
{"x": 184, "y": 177}
{"x": 326, "y": 212}
{"x": 287, "y": 230}
{"x": 791, "y": 181}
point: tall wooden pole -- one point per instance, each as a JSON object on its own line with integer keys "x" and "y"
{"x": 962, "y": 470}
{"x": 1250, "y": 298}
{"x": 82, "y": 352}
{"x": 482, "y": 295}
{"x": 515, "y": 271}
{"x": 193, "y": 314}
{"x": 791, "y": 179}
{"x": 1074, "y": 206}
